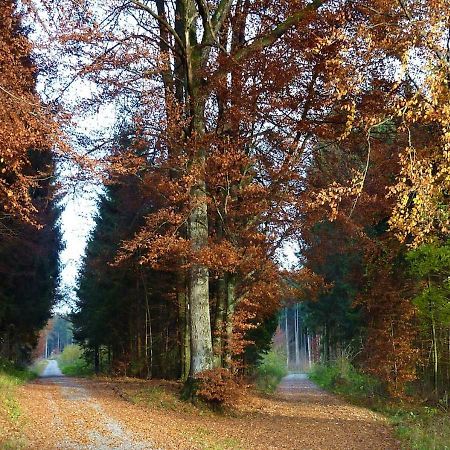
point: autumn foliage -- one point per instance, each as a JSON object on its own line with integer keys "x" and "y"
{"x": 28, "y": 235}
{"x": 24, "y": 124}
{"x": 242, "y": 126}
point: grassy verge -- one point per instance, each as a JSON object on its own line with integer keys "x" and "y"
{"x": 76, "y": 370}
{"x": 419, "y": 427}
{"x": 38, "y": 366}
{"x": 11, "y": 436}
{"x": 270, "y": 372}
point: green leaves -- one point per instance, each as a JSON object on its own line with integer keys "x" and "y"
{"x": 430, "y": 260}
{"x": 430, "y": 264}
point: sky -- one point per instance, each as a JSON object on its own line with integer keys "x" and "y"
{"x": 79, "y": 210}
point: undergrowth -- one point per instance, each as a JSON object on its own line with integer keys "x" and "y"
{"x": 420, "y": 427}
{"x": 72, "y": 363}
{"x": 270, "y": 372}
{"x": 11, "y": 377}
{"x": 38, "y": 366}
{"x": 162, "y": 398}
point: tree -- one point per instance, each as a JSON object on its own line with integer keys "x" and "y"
{"x": 199, "y": 79}
{"x": 29, "y": 269}
{"x": 360, "y": 255}
{"x": 24, "y": 124}
{"x": 226, "y": 142}
{"x": 29, "y": 239}
{"x": 334, "y": 315}
{"x": 430, "y": 265}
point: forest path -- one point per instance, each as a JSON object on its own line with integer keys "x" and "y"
{"x": 299, "y": 385}
{"x": 51, "y": 369}
{"x": 71, "y": 413}
{"x": 61, "y": 413}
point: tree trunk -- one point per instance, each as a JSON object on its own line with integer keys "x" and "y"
{"x": 201, "y": 342}
{"x": 96, "y": 359}
{"x": 200, "y": 319}
{"x": 287, "y": 337}
{"x": 231, "y": 306}
{"x": 185, "y": 334}
{"x": 297, "y": 349}
{"x": 308, "y": 338}
{"x": 219, "y": 319}
{"x": 435, "y": 354}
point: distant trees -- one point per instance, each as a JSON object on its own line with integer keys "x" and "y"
{"x": 127, "y": 316}
{"x": 28, "y": 235}
{"x": 334, "y": 315}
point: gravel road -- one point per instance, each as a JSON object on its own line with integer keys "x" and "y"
{"x": 52, "y": 370}
{"x": 101, "y": 414}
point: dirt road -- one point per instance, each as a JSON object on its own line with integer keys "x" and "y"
{"x": 51, "y": 370}
{"x": 69, "y": 413}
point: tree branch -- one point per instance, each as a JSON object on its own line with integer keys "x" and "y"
{"x": 161, "y": 20}
{"x": 271, "y": 37}
{"x": 221, "y": 14}
{"x": 431, "y": 44}
{"x": 209, "y": 36}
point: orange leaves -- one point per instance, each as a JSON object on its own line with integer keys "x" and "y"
{"x": 219, "y": 256}
{"x": 303, "y": 285}
{"x": 24, "y": 126}
{"x": 217, "y": 386}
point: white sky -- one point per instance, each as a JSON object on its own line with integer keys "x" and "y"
{"x": 77, "y": 218}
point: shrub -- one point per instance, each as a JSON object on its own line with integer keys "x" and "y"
{"x": 341, "y": 377}
{"x": 72, "y": 362}
{"x": 11, "y": 376}
{"x": 217, "y": 387}
{"x": 15, "y": 374}
{"x": 38, "y": 366}
{"x": 70, "y": 355}
{"x": 270, "y": 371}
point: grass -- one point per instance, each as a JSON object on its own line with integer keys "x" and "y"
{"x": 209, "y": 440}
{"x": 167, "y": 398}
{"x": 10, "y": 414}
{"x": 419, "y": 427}
{"x": 270, "y": 372}
{"x": 156, "y": 396}
{"x": 79, "y": 369}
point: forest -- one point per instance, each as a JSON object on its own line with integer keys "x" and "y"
{"x": 242, "y": 130}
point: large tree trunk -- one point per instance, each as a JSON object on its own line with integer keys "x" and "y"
{"x": 200, "y": 319}
{"x": 201, "y": 342}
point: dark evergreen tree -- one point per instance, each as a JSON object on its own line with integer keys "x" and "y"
{"x": 29, "y": 268}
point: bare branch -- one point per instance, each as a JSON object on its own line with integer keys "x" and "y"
{"x": 205, "y": 14}
{"x": 161, "y": 20}
{"x": 268, "y": 39}
{"x": 221, "y": 14}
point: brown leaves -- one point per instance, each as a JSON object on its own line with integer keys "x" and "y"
{"x": 218, "y": 386}
{"x": 24, "y": 125}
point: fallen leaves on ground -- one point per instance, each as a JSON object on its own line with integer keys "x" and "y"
{"x": 128, "y": 413}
